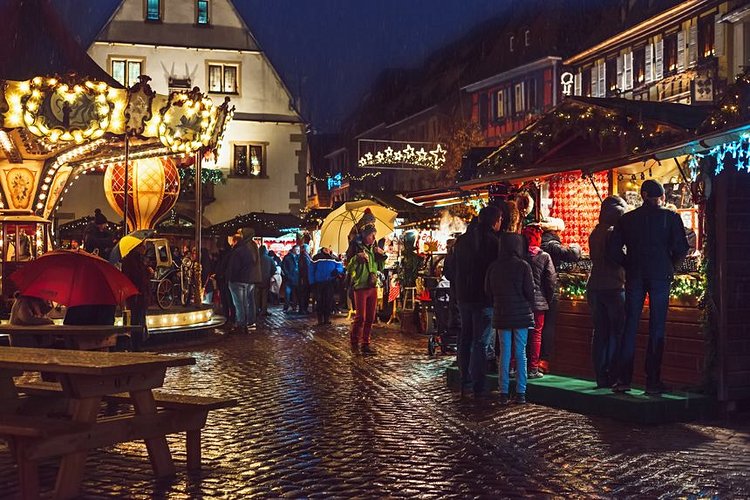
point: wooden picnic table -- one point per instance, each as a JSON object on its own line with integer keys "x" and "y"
{"x": 83, "y": 337}
{"x": 86, "y": 377}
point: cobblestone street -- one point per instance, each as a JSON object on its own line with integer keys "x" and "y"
{"x": 316, "y": 421}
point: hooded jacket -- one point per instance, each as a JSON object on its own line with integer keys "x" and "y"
{"x": 552, "y": 244}
{"x": 655, "y": 243}
{"x": 290, "y": 268}
{"x": 510, "y": 283}
{"x": 606, "y": 274}
{"x": 545, "y": 279}
{"x": 474, "y": 252}
{"x": 325, "y": 268}
{"x": 267, "y": 266}
{"x": 240, "y": 261}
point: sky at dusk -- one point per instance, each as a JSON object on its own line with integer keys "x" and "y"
{"x": 329, "y": 51}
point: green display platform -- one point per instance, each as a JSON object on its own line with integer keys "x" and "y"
{"x": 581, "y": 396}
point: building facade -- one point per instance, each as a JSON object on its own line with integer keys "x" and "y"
{"x": 685, "y": 54}
{"x": 182, "y": 44}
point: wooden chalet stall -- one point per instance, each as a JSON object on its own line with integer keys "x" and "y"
{"x": 567, "y": 162}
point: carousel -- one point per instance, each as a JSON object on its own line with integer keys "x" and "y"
{"x": 54, "y": 128}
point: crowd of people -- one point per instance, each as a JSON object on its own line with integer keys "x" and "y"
{"x": 633, "y": 254}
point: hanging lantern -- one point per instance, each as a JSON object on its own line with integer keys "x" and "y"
{"x": 153, "y": 188}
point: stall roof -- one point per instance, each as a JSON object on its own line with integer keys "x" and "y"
{"x": 266, "y": 225}
{"x": 588, "y": 134}
{"x": 35, "y": 42}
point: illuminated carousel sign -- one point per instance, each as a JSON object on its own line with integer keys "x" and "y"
{"x": 400, "y": 155}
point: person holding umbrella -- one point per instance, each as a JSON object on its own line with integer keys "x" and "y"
{"x": 365, "y": 260}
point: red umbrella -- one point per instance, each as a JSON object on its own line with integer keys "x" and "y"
{"x": 73, "y": 278}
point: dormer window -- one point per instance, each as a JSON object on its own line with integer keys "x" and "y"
{"x": 511, "y": 43}
{"x": 153, "y": 10}
{"x": 527, "y": 37}
{"x": 201, "y": 13}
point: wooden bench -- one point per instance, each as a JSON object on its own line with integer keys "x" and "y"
{"x": 23, "y": 434}
{"x": 194, "y": 409}
{"x": 82, "y": 338}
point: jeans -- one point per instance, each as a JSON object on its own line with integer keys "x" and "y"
{"x": 635, "y": 294}
{"x": 550, "y": 325}
{"x": 240, "y": 293}
{"x": 474, "y": 343}
{"x": 608, "y": 314}
{"x": 290, "y": 295}
{"x": 252, "y": 312}
{"x": 365, "y": 300}
{"x": 519, "y": 336}
{"x": 535, "y": 340}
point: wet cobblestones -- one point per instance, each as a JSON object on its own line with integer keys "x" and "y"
{"x": 316, "y": 421}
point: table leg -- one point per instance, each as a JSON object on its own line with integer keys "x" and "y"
{"x": 193, "y": 446}
{"x": 28, "y": 473}
{"x": 158, "y": 450}
{"x": 70, "y": 475}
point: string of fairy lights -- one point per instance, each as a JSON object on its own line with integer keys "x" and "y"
{"x": 684, "y": 287}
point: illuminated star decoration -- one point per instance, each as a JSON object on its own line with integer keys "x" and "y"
{"x": 433, "y": 159}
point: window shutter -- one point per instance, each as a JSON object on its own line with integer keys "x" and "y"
{"x": 628, "y": 65}
{"x": 718, "y": 37}
{"x": 649, "y": 63}
{"x": 577, "y": 83}
{"x": 603, "y": 78}
{"x": 620, "y": 73}
{"x": 595, "y": 80}
{"x": 681, "y": 62}
{"x": 693, "y": 46}
{"x": 659, "y": 60}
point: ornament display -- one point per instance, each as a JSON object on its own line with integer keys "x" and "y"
{"x": 577, "y": 203}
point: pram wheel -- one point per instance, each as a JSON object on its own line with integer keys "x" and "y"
{"x": 432, "y": 345}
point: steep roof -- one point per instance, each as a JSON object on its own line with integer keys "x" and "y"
{"x": 178, "y": 28}
{"x": 34, "y": 41}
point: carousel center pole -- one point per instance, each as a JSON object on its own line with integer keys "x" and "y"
{"x": 198, "y": 225}
{"x": 125, "y": 188}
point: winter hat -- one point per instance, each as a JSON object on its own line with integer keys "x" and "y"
{"x": 533, "y": 235}
{"x": 613, "y": 207}
{"x": 99, "y": 217}
{"x": 367, "y": 219}
{"x": 652, "y": 189}
{"x": 553, "y": 224}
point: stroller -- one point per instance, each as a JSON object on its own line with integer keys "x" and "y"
{"x": 443, "y": 334}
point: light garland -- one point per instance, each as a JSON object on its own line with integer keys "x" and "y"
{"x": 433, "y": 159}
{"x": 88, "y": 101}
{"x": 336, "y": 181}
{"x": 208, "y": 176}
{"x": 684, "y": 287}
{"x": 738, "y": 150}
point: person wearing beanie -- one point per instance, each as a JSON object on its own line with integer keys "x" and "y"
{"x": 474, "y": 252}
{"x": 605, "y": 292}
{"x": 97, "y": 238}
{"x": 545, "y": 284}
{"x": 362, "y": 268}
{"x": 649, "y": 242}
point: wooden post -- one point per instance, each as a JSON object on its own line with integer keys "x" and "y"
{"x": 125, "y": 187}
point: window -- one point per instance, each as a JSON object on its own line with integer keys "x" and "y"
{"x": 611, "y": 76}
{"x": 670, "y": 53}
{"x": 706, "y": 36}
{"x": 531, "y": 95}
{"x": 127, "y": 71}
{"x": 248, "y": 160}
{"x": 501, "y": 105}
{"x": 201, "y": 13}
{"x": 512, "y": 42}
{"x": 483, "y": 110}
{"x": 222, "y": 78}
{"x": 520, "y": 98}
{"x": 586, "y": 90}
{"x": 153, "y": 10}
{"x": 639, "y": 65}
{"x": 527, "y": 37}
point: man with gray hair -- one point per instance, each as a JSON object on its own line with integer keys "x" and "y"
{"x": 649, "y": 242}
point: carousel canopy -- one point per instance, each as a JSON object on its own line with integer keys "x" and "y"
{"x": 587, "y": 134}
{"x": 34, "y": 41}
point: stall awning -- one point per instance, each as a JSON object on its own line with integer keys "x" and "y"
{"x": 266, "y": 225}
{"x": 588, "y": 134}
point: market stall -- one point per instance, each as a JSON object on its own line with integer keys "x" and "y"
{"x": 567, "y": 162}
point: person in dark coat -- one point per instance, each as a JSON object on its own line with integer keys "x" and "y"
{"x": 449, "y": 271}
{"x": 304, "y": 287}
{"x": 256, "y": 275}
{"x": 97, "y": 239}
{"x": 239, "y": 276}
{"x": 324, "y": 275}
{"x": 605, "y": 292}
{"x": 552, "y": 244}
{"x": 655, "y": 243}
{"x": 267, "y": 270}
{"x": 475, "y": 250}
{"x": 510, "y": 283}
{"x": 222, "y": 267}
{"x": 136, "y": 270}
{"x": 545, "y": 285}
{"x": 290, "y": 273}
